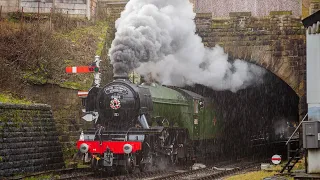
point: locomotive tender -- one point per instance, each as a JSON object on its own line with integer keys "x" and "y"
{"x": 144, "y": 125}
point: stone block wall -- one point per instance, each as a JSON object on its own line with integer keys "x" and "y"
{"x": 314, "y": 6}
{"x": 28, "y": 140}
{"x": 66, "y": 108}
{"x": 276, "y": 42}
{"x": 258, "y": 8}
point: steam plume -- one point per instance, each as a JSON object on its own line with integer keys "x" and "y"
{"x": 157, "y": 39}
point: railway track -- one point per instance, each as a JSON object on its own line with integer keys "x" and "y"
{"x": 63, "y": 174}
{"x": 207, "y": 173}
{"x": 211, "y": 172}
{"x": 140, "y": 175}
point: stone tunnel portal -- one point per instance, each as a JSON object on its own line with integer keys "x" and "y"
{"x": 257, "y": 120}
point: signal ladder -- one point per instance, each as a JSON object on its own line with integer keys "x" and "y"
{"x": 295, "y": 150}
{"x": 295, "y": 153}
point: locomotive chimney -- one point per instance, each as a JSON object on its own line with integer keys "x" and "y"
{"x": 121, "y": 76}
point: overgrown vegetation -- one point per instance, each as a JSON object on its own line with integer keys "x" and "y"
{"x": 9, "y": 98}
{"x": 34, "y": 51}
{"x": 37, "y": 52}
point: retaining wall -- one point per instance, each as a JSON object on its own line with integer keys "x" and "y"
{"x": 28, "y": 140}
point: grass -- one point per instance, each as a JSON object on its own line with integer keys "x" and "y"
{"x": 8, "y": 98}
{"x": 272, "y": 171}
{"x": 98, "y": 31}
{"x": 255, "y": 175}
{"x": 44, "y": 177}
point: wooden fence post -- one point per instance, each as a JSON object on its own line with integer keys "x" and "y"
{"x": 21, "y": 18}
{"x": 0, "y": 12}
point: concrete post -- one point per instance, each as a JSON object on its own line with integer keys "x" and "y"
{"x": 53, "y": 6}
{"x": 19, "y": 4}
{"x": 89, "y": 9}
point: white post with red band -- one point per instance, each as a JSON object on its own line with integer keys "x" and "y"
{"x": 97, "y": 79}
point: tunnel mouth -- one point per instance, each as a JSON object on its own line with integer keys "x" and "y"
{"x": 257, "y": 121}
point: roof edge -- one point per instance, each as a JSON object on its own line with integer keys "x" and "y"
{"x": 312, "y": 19}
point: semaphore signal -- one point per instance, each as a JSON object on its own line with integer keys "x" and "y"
{"x": 82, "y": 69}
{"x": 82, "y": 94}
{"x": 92, "y": 68}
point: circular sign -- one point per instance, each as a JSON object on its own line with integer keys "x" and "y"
{"x": 276, "y": 159}
{"x": 115, "y": 103}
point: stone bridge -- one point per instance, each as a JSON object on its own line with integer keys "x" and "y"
{"x": 275, "y": 41}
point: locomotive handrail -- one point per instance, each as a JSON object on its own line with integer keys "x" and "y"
{"x": 296, "y": 129}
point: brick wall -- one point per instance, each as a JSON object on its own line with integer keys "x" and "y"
{"x": 28, "y": 140}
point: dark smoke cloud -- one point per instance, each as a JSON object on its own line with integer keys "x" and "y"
{"x": 157, "y": 39}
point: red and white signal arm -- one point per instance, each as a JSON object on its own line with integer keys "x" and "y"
{"x": 82, "y": 94}
{"x": 276, "y": 159}
{"x": 82, "y": 69}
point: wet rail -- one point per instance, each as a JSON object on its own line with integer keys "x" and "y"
{"x": 213, "y": 171}
{"x": 210, "y": 172}
{"x": 64, "y": 174}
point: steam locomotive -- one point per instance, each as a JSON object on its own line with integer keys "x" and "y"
{"x": 149, "y": 125}
{"x": 144, "y": 125}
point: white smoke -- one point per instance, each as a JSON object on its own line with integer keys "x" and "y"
{"x": 157, "y": 39}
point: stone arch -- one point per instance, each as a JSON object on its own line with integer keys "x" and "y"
{"x": 281, "y": 67}
{"x": 290, "y": 70}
